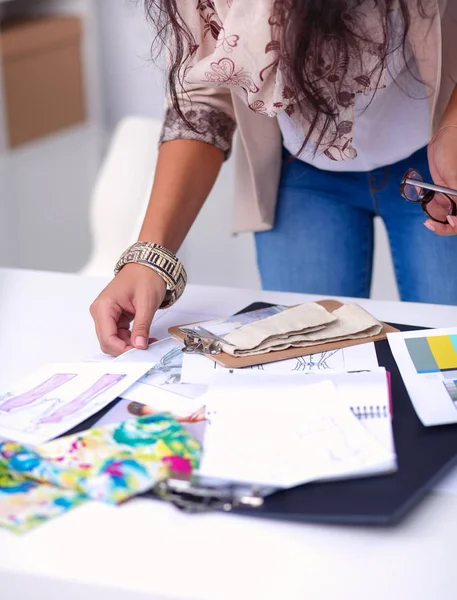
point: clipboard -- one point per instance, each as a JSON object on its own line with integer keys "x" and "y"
{"x": 238, "y": 362}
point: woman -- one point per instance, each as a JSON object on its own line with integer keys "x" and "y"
{"x": 357, "y": 90}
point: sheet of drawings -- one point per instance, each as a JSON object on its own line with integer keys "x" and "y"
{"x": 226, "y": 325}
{"x": 161, "y": 387}
{"x": 365, "y": 393}
{"x": 427, "y": 360}
{"x": 199, "y": 369}
{"x": 57, "y": 397}
{"x": 270, "y": 447}
{"x": 164, "y": 319}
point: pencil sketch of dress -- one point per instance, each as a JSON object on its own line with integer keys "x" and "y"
{"x": 10, "y": 402}
{"x": 320, "y": 361}
{"x": 314, "y": 362}
{"x": 326, "y": 436}
{"x": 167, "y": 371}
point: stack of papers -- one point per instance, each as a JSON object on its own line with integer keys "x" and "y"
{"x": 316, "y": 417}
{"x": 286, "y": 439}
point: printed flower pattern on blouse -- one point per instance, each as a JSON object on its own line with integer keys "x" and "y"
{"x": 238, "y": 47}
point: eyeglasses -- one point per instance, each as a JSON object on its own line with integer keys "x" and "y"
{"x": 435, "y": 200}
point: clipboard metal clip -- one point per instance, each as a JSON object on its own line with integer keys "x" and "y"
{"x": 190, "y": 497}
{"x": 201, "y": 341}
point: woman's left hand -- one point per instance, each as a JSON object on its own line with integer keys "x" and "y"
{"x": 442, "y": 160}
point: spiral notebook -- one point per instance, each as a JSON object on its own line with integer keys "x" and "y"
{"x": 296, "y": 430}
{"x": 366, "y": 393}
{"x": 369, "y": 397}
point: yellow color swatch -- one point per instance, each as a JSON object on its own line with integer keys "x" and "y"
{"x": 443, "y": 352}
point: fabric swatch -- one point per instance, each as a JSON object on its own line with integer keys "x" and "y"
{"x": 24, "y": 504}
{"x": 109, "y": 464}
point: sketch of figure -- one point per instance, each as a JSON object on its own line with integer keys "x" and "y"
{"x": 325, "y": 434}
{"x": 59, "y": 410}
{"x": 168, "y": 370}
{"x": 11, "y": 402}
{"x": 314, "y": 362}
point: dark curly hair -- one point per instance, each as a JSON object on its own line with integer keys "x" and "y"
{"x": 302, "y": 28}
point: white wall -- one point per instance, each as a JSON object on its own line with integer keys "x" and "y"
{"x": 132, "y": 85}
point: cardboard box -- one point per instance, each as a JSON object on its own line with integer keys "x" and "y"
{"x": 43, "y": 78}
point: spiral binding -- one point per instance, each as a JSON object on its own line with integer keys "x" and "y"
{"x": 370, "y": 412}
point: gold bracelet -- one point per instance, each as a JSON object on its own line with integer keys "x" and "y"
{"x": 160, "y": 260}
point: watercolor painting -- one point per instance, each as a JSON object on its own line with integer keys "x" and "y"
{"x": 53, "y": 400}
{"x": 9, "y": 401}
{"x": 59, "y": 411}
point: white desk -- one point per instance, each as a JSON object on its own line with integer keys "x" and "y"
{"x": 148, "y": 549}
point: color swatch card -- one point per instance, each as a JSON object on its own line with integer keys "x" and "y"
{"x": 57, "y": 397}
{"x": 427, "y": 361}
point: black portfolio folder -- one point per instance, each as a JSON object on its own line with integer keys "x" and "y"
{"x": 425, "y": 455}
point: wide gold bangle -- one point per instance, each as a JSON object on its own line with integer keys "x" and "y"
{"x": 160, "y": 260}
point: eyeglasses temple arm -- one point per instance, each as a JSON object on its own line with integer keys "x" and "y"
{"x": 431, "y": 186}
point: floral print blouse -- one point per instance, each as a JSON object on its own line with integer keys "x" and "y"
{"x": 237, "y": 47}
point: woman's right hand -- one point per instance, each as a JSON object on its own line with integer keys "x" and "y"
{"x": 134, "y": 295}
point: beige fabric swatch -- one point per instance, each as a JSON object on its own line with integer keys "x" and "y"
{"x": 305, "y": 318}
{"x": 351, "y": 322}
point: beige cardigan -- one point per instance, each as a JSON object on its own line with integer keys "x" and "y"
{"x": 258, "y": 145}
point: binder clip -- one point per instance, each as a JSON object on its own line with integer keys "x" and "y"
{"x": 191, "y": 497}
{"x": 200, "y": 341}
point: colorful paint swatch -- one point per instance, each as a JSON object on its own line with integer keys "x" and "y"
{"x": 433, "y": 354}
{"x": 444, "y": 352}
{"x": 421, "y": 355}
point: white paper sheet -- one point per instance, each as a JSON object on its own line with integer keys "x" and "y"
{"x": 164, "y": 319}
{"x": 307, "y": 435}
{"x": 428, "y": 392}
{"x": 197, "y": 369}
{"x": 161, "y": 387}
{"x": 366, "y": 393}
{"x": 57, "y": 397}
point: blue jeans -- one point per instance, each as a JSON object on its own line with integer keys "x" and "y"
{"x": 322, "y": 241}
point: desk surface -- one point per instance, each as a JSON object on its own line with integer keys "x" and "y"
{"x": 149, "y": 549}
